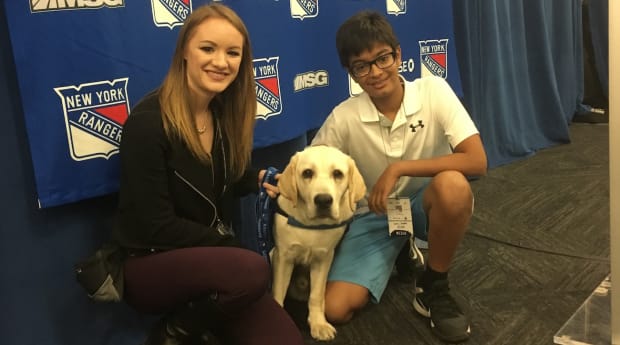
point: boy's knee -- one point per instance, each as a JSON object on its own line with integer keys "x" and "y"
{"x": 451, "y": 182}
{"x": 450, "y": 190}
{"x": 342, "y": 300}
{"x": 338, "y": 314}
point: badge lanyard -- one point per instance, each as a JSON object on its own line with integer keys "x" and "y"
{"x": 400, "y": 222}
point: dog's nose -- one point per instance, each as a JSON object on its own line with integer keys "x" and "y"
{"x": 323, "y": 200}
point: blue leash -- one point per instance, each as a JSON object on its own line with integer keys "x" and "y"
{"x": 265, "y": 209}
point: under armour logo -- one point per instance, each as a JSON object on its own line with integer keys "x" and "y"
{"x": 420, "y": 124}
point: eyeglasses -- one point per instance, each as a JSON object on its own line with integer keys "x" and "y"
{"x": 362, "y": 69}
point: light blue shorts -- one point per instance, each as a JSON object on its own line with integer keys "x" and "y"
{"x": 367, "y": 253}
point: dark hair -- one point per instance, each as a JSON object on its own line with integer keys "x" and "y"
{"x": 360, "y": 32}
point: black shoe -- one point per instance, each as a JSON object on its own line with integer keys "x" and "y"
{"x": 409, "y": 261}
{"x": 163, "y": 333}
{"x": 447, "y": 320}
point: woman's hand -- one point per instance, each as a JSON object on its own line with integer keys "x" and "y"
{"x": 271, "y": 190}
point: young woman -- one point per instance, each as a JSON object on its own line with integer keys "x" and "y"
{"x": 185, "y": 155}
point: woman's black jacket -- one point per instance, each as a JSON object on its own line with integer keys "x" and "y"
{"x": 168, "y": 198}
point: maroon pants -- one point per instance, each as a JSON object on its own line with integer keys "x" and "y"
{"x": 160, "y": 283}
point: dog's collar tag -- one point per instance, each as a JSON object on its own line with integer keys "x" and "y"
{"x": 399, "y": 217}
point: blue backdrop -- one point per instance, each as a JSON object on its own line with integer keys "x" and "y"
{"x": 81, "y": 65}
{"x": 522, "y": 69}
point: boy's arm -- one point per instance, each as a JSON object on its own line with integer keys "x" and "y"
{"x": 468, "y": 157}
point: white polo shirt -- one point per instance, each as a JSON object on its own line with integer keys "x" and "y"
{"x": 430, "y": 122}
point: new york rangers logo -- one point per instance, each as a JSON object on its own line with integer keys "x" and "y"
{"x": 94, "y": 117}
{"x": 268, "y": 96}
{"x": 304, "y": 8}
{"x": 396, "y": 7}
{"x": 434, "y": 57}
{"x": 170, "y": 13}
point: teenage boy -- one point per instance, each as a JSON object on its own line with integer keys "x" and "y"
{"x": 415, "y": 145}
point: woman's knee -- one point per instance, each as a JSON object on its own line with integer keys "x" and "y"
{"x": 252, "y": 271}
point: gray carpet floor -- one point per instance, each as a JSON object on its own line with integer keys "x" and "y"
{"x": 536, "y": 248}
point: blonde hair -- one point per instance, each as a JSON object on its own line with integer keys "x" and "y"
{"x": 236, "y": 106}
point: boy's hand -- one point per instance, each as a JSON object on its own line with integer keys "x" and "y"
{"x": 377, "y": 200}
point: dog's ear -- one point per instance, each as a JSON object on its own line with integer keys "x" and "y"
{"x": 287, "y": 182}
{"x": 357, "y": 187}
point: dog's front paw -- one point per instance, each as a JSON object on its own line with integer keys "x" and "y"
{"x": 322, "y": 330}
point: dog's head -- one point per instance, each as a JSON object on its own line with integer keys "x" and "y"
{"x": 323, "y": 182}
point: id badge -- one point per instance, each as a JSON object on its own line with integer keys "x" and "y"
{"x": 399, "y": 217}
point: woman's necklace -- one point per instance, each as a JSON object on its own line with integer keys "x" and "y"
{"x": 204, "y": 126}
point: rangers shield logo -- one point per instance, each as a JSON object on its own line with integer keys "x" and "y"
{"x": 304, "y": 8}
{"x": 396, "y": 7}
{"x": 434, "y": 58}
{"x": 170, "y": 13}
{"x": 94, "y": 117}
{"x": 268, "y": 96}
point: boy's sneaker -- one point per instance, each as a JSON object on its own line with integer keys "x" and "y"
{"x": 447, "y": 320}
{"x": 409, "y": 261}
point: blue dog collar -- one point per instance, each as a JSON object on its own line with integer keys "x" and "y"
{"x": 294, "y": 222}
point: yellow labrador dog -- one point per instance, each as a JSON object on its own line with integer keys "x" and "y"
{"x": 319, "y": 189}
